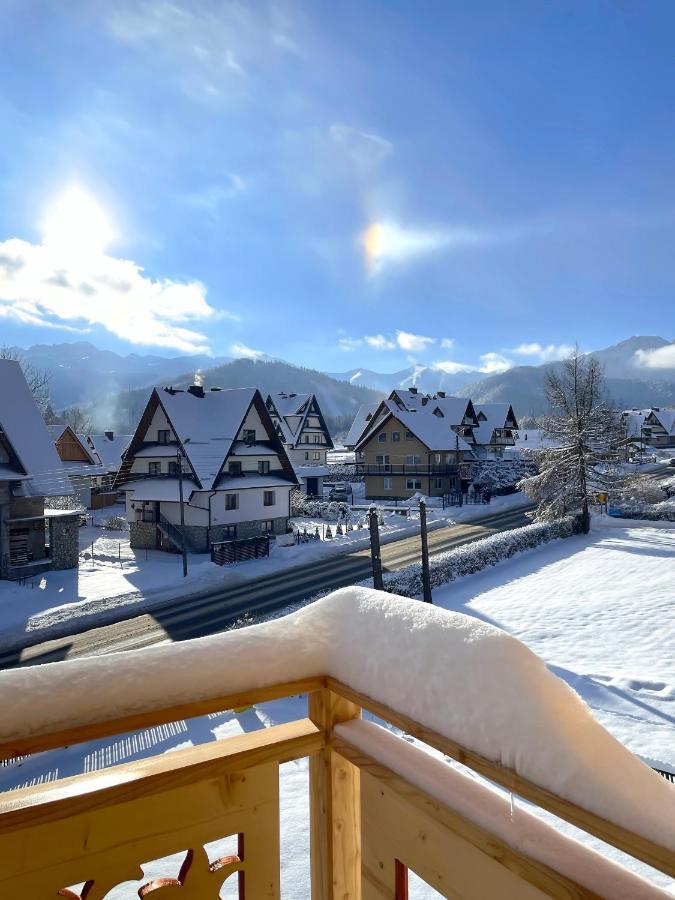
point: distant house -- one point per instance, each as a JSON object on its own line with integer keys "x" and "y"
{"x": 415, "y": 442}
{"x": 496, "y": 430}
{"x": 83, "y": 467}
{"x": 222, "y": 447}
{"x": 653, "y": 427}
{"x": 108, "y": 449}
{"x": 32, "y": 538}
{"x": 301, "y": 427}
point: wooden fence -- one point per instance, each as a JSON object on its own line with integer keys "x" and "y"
{"x": 369, "y": 825}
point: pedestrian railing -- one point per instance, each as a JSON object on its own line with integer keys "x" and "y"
{"x": 370, "y": 820}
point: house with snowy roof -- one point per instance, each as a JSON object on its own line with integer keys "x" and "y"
{"x": 416, "y": 442}
{"x": 301, "y": 427}
{"x": 108, "y": 449}
{"x": 496, "y": 430}
{"x": 653, "y": 427}
{"x": 220, "y": 449}
{"x": 82, "y": 466}
{"x": 32, "y": 538}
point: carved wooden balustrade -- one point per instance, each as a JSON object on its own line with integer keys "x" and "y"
{"x": 369, "y": 825}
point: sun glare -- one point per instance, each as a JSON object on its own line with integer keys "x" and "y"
{"x": 372, "y": 242}
{"x": 77, "y": 224}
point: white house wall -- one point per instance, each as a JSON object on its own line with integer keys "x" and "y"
{"x": 159, "y": 422}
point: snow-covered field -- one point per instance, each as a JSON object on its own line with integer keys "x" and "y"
{"x": 597, "y": 609}
{"x": 118, "y": 576}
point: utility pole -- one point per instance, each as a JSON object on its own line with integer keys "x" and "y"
{"x": 426, "y": 577}
{"x": 179, "y": 458}
{"x": 375, "y": 557}
{"x": 458, "y": 480}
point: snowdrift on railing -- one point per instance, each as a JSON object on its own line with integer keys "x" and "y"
{"x": 461, "y": 677}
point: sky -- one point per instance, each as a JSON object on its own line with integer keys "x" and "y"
{"x": 355, "y": 184}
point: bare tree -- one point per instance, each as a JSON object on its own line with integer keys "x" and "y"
{"x": 38, "y": 379}
{"x": 584, "y": 432}
{"x": 78, "y": 419}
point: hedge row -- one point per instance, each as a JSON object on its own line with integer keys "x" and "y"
{"x": 478, "y": 555}
{"x": 653, "y": 512}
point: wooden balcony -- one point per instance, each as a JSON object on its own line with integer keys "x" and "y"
{"x": 399, "y": 468}
{"x": 372, "y": 818}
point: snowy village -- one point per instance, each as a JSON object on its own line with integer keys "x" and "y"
{"x": 308, "y": 591}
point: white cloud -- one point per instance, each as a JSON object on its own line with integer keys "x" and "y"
{"x": 240, "y": 350}
{"x": 545, "y": 353}
{"x": 387, "y": 243}
{"x": 413, "y": 343}
{"x": 452, "y": 368}
{"x": 380, "y": 342}
{"x": 45, "y": 285}
{"x": 493, "y": 363}
{"x": 660, "y": 358}
{"x": 348, "y": 344}
{"x": 448, "y": 343}
{"x": 367, "y": 149}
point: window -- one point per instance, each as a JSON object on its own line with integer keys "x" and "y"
{"x": 269, "y": 498}
{"x": 382, "y": 437}
{"x": 382, "y": 460}
{"x": 249, "y": 435}
{"x": 173, "y": 467}
{"x": 234, "y": 468}
{"x": 163, "y": 436}
{"x": 229, "y": 532}
{"x": 154, "y": 468}
{"x": 408, "y": 435}
{"x": 306, "y": 454}
{"x": 437, "y": 459}
{"x": 263, "y": 466}
{"x": 396, "y": 436}
{"x": 231, "y": 501}
{"x": 413, "y": 484}
{"x": 386, "y": 484}
{"x": 317, "y": 454}
{"x": 412, "y": 460}
{"x": 267, "y": 527}
{"x": 438, "y": 484}
{"x": 318, "y": 438}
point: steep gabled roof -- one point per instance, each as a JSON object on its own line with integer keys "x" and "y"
{"x": 28, "y": 437}
{"x": 435, "y": 432}
{"x": 495, "y": 416}
{"x": 667, "y": 419}
{"x": 108, "y": 450}
{"x": 362, "y": 420}
{"x": 59, "y": 431}
{"x": 291, "y": 411}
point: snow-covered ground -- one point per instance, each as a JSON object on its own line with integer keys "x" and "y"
{"x": 117, "y": 576}
{"x": 597, "y": 609}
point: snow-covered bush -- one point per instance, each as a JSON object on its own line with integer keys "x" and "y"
{"x": 501, "y": 476}
{"x": 69, "y": 501}
{"x": 321, "y": 509}
{"x": 342, "y": 472}
{"x": 653, "y": 512}
{"x": 478, "y": 555}
{"x": 643, "y": 490}
{"x": 115, "y": 523}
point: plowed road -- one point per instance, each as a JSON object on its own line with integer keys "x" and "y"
{"x": 211, "y": 612}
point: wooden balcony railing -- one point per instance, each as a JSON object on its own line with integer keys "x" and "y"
{"x": 370, "y": 823}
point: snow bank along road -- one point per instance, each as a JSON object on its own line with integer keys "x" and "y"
{"x": 207, "y": 613}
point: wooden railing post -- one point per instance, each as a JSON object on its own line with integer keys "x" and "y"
{"x": 335, "y": 807}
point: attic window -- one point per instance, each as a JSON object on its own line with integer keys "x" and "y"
{"x": 249, "y": 435}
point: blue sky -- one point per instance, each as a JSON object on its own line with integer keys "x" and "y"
{"x": 338, "y": 184}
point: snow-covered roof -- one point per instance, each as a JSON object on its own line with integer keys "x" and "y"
{"x": 434, "y": 430}
{"x": 79, "y": 467}
{"x": 311, "y": 471}
{"x": 292, "y": 411}
{"x": 152, "y": 451}
{"x": 358, "y": 426}
{"x": 207, "y": 426}
{"x": 244, "y": 482}
{"x": 28, "y": 435}
{"x": 474, "y": 684}
{"x": 157, "y": 489}
{"x": 109, "y": 450}
{"x": 667, "y": 419}
{"x": 241, "y": 448}
{"x": 496, "y": 415}
{"x": 290, "y": 404}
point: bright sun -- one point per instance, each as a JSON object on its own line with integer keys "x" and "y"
{"x": 77, "y": 224}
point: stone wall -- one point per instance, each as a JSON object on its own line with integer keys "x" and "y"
{"x": 143, "y": 535}
{"x": 64, "y": 541}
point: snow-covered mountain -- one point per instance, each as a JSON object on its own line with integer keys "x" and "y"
{"x": 425, "y": 378}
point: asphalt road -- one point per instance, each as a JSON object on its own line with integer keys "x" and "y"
{"x": 208, "y": 613}
{"x": 211, "y": 612}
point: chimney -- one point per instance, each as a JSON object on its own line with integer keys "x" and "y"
{"x": 109, "y": 434}
{"x": 425, "y": 400}
{"x": 441, "y": 394}
{"x": 413, "y": 390}
{"x": 196, "y": 390}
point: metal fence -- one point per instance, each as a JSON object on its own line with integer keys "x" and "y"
{"x": 224, "y": 553}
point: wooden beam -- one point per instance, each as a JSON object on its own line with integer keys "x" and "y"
{"x": 635, "y": 845}
{"x": 59, "y": 800}
{"x": 23, "y": 746}
{"x": 416, "y": 801}
{"x": 335, "y": 818}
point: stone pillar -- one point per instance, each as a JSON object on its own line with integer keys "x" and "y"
{"x": 64, "y": 541}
